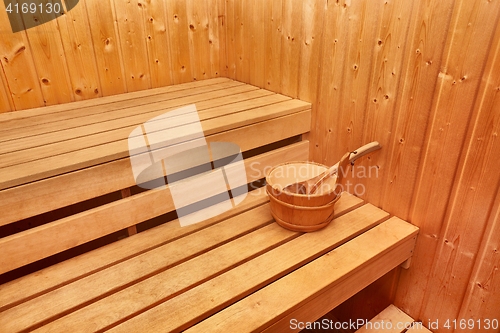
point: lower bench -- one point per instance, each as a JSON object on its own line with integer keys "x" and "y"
{"x": 392, "y": 319}
{"x": 236, "y": 272}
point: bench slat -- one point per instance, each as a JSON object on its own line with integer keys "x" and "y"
{"x": 52, "y": 277}
{"x": 177, "y": 279}
{"x": 393, "y": 315}
{"x": 63, "y": 108}
{"x": 98, "y": 134}
{"x": 46, "y": 195}
{"x": 79, "y": 127}
{"x": 267, "y": 305}
{"x": 52, "y": 238}
{"x": 208, "y": 298}
{"x": 247, "y": 137}
{"x": 185, "y": 276}
{"x": 91, "y": 288}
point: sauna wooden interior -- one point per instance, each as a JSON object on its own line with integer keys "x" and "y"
{"x": 285, "y": 80}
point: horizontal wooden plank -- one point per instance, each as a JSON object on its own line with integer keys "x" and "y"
{"x": 48, "y": 194}
{"x": 391, "y": 319}
{"x": 50, "y": 278}
{"x": 330, "y": 272}
{"x": 258, "y": 133}
{"x": 103, "y": 136}
{"x": 52, "y": 238}
{"x": 108, "y": 99}
{"x": 187, "y": 275}
{"x": 87, "y": 123}
{"x": 231, "y": 102}
{"x": 212, "y": 296}
{"x": 55, "y": 303}
{"x": 23, "y": 126}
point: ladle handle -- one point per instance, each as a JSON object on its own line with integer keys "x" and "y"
{"x": 362, "y": 151}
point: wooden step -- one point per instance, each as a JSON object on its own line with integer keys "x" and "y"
{"x": 393, "y": 320}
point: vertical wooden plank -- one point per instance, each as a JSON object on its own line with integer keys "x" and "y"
{"x": 215, "y": 29}
{"x": 478, "y": 179}
{"x": 106, "y": 47}
{"x": 18, "y": 67}
{"x": 256, "y": 39}
{"x": 157, "y": 42}
{"x": 384, "y": 91}
{"x": 247, "y": 26}
{"x": 482, "y": 299}
{"x": 129, "y": 15}
{"x": 6, "y": 103}
{"x": 178, "y": 27}
{"x": 221, "y": 21}
{"x": 49, "y": 58}
{"x": 230, "y": 39}
{"x": 420, "y": 69}
{"x": 238, "y": 39}
{"x": 80, "y": 55}
{"x": 274, "y": 34}
{"x": 446, "y": 123}
{"x": 290, "y": 48}
{"x": 198, "y": 34}
{"x": 313, "y": 13}
{"x": 336, "y": 40}
{"x": 428, "y": 31}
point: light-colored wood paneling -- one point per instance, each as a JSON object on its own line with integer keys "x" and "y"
{"x": 21, "y": 80}
{"x": 109, "y": 47}
{"x": 75, "y": 34}
{"x": 421, "y": 77}
{"x": 129, "y": 17}
{"x": 106, "y": 44}
{"x": 157, "y": 42}
{"x": 50, "y": 59}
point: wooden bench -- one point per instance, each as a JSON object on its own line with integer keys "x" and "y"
{"x": 66, "y": 186}
{"x": 393, "y": 320}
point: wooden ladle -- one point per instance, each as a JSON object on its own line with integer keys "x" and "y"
{"x": 310, "y": 186}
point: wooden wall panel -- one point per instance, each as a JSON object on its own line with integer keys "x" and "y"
{"x": 273, "y": 12}
{"x": 129, "y": 16}
{"x": 109, "y": 47}
{"x": 469, "y": 213}
{"x": 157, "y": 42}
{"x": 50, "y": 59}
{"x": 18, "y": 67}
{"x": 179, "y": 42}
{"x": 199, "y": 40}
{"x": 82, "y": 68}
{"x": 106, "y": 44}
{"x": 412, "y": 76}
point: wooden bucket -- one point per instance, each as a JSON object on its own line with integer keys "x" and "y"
{"x": 302, "y": 212}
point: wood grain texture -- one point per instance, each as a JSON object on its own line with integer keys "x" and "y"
{"x": 106, "y": 42}
{"x": 409, "y": 74}
{"x": 50, "y": 59}
{"x": 109, "y": 47}
{"x": 129, "y": 14}
{"x": 82, "y": 68}
{"x": 18, "y": 68}
{"x": 157, "y": 42}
